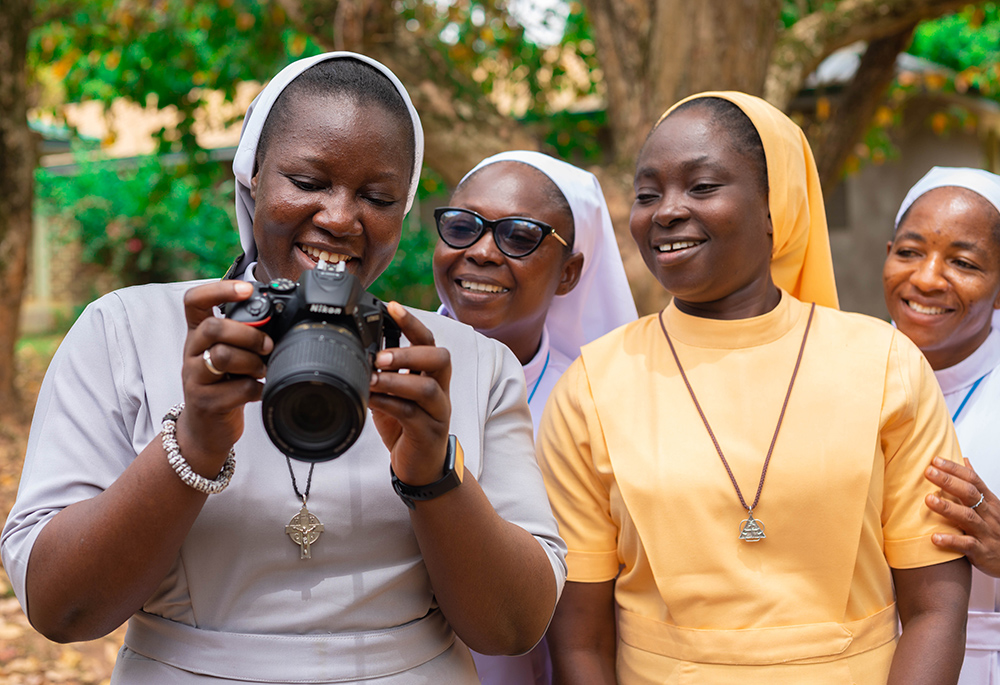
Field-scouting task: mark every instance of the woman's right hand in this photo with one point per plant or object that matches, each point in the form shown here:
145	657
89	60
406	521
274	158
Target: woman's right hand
212	420
976	510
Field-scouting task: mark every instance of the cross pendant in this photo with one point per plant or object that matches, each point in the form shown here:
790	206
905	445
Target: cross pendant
304	530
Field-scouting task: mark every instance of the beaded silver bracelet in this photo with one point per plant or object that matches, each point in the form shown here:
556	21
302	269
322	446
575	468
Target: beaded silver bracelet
180	465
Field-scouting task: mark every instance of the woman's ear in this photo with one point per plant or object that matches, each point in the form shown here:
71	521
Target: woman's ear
572	268
253	186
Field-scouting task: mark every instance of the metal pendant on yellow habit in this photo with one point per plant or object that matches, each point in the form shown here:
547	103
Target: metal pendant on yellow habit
751	529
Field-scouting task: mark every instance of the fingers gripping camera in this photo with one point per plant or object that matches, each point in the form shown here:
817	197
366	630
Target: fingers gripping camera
326	330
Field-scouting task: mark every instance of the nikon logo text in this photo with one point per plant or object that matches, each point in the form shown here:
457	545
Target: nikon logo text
325	309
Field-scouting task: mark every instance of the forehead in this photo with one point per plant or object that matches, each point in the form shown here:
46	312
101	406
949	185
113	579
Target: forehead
510	189
952	218
951	211
690	139
338	114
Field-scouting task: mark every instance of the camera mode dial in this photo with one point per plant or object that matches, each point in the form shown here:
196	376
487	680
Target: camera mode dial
282	285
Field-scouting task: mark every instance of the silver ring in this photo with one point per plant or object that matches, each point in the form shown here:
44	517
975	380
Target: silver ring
206	357
982	496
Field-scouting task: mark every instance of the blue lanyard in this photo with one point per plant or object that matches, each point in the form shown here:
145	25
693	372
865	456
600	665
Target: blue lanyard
538	382
967	396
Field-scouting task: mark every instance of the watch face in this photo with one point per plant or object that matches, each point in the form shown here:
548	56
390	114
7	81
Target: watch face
456	455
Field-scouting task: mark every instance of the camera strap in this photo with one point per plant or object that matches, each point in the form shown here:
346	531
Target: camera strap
304	528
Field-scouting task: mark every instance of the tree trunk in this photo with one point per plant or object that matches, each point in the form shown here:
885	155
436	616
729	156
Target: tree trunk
654	53
855	107
17	164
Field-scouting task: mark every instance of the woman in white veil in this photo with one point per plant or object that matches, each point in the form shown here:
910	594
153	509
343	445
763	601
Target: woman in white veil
942	287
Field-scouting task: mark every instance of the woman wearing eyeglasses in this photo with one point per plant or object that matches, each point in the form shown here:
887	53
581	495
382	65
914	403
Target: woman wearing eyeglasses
528	257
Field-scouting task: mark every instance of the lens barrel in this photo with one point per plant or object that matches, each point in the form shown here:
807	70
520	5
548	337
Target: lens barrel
316	395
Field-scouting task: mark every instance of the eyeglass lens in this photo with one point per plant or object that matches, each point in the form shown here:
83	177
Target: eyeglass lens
514	237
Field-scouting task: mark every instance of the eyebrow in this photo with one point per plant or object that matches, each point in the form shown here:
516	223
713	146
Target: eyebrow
960	244
317	161
971	247
699	162
910	235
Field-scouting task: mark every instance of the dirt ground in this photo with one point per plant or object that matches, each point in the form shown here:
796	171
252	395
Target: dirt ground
27	658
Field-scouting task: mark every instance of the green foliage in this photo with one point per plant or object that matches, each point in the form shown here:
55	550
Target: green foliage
157	222
409	279
169	52
577	137
43	345
966	46
967	42
149	222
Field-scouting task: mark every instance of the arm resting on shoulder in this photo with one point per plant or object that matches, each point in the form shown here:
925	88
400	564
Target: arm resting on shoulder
933	604
582	637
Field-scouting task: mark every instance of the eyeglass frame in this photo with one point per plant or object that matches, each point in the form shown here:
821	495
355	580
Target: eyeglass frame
491	225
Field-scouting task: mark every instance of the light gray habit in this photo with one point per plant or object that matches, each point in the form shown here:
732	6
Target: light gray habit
239	603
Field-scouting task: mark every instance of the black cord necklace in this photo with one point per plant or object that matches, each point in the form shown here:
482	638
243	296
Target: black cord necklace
304	528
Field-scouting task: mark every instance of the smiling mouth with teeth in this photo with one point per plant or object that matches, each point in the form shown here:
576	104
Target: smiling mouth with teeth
482	287
328	257
920	309
673	247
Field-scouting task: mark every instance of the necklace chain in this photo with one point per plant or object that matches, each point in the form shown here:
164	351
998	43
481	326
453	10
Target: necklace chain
540	376
295	485
966	400
781	417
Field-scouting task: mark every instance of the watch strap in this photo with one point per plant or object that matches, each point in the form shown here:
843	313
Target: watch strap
454	467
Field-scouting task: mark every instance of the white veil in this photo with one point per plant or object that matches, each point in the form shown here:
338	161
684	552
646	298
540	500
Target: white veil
253	124
602	300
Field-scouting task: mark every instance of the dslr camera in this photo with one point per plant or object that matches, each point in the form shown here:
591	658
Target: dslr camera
326	330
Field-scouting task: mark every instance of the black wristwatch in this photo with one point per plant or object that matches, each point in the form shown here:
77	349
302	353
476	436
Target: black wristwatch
454	468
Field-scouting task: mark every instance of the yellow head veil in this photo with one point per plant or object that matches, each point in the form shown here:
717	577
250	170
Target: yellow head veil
800	259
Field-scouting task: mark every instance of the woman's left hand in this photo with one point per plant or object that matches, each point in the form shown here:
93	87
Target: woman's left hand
411	408
981	523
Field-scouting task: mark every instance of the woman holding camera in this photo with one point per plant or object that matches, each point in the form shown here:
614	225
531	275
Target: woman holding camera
413	537
942	288
739	479
528	256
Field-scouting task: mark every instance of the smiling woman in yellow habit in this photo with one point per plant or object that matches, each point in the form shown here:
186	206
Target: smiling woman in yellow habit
739	478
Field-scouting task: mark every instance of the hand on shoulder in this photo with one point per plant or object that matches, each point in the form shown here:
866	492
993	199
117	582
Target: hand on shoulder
975	510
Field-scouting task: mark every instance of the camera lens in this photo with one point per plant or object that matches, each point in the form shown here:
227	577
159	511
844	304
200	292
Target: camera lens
316	395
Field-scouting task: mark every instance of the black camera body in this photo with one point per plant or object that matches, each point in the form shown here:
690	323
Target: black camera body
326	330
